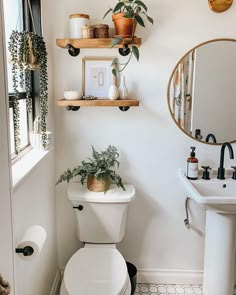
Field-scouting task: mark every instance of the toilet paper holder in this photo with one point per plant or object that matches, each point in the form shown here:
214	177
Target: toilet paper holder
26	251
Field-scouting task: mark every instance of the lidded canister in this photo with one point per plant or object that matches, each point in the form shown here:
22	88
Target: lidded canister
77	21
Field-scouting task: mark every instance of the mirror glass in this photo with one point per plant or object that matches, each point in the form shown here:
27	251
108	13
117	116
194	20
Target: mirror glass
202	92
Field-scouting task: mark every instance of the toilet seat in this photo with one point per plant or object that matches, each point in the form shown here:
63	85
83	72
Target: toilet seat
100	271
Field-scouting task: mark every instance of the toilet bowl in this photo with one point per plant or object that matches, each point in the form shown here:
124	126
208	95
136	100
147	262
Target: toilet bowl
100	271
98	268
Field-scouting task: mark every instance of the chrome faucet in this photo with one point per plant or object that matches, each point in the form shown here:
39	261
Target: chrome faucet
221	169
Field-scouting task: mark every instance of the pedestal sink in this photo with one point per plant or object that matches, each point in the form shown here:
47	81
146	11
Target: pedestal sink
218	198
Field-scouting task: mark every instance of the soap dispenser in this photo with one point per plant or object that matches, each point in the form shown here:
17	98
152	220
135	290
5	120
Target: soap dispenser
192	165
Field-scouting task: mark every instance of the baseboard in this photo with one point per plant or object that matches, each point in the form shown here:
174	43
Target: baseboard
168	276
56	284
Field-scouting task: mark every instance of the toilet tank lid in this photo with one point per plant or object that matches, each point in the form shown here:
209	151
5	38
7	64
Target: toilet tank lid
78	192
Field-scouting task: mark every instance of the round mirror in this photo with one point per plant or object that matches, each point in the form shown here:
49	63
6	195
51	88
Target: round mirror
202	92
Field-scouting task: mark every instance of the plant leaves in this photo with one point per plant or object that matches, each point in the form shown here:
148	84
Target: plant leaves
139	20
118	7
150	19
108	11
140	3
115	73
115	61
129	14
135	52
116	41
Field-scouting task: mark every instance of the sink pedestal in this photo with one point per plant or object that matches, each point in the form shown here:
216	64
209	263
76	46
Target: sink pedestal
219	258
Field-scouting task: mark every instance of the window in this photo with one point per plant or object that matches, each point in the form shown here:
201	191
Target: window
17	16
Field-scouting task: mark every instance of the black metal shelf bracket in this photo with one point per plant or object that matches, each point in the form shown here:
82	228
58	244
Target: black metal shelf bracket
72	50
124	109
76	108
72	108
124	51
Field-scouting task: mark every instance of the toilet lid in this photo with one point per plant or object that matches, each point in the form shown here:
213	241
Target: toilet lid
100	271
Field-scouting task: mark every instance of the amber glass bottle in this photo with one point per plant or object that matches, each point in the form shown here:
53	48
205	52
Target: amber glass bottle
192	165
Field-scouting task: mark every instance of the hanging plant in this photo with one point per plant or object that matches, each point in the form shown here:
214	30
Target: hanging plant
28	52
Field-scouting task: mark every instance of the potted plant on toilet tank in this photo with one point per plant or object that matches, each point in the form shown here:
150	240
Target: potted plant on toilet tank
98	171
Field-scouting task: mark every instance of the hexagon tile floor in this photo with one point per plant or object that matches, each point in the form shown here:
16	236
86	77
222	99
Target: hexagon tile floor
153	289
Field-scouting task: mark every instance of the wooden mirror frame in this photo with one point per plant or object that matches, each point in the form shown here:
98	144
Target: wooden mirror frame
220	5
169	85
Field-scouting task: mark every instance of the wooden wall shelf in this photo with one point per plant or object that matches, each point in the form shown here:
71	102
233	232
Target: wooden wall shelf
95	43
124	104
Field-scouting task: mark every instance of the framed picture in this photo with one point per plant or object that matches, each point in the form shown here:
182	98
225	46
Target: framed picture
97	76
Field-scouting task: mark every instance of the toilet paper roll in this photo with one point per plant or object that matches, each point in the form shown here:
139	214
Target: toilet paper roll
35	237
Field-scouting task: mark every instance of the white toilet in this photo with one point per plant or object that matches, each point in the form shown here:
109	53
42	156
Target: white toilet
98	268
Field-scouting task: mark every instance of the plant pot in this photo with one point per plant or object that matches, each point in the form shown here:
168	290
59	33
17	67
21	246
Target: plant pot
27	60
125	27
30	60
97	184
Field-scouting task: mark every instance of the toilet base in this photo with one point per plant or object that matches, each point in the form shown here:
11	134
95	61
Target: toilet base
63	289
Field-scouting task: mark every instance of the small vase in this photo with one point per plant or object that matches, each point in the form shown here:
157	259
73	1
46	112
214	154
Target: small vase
113	92
123	91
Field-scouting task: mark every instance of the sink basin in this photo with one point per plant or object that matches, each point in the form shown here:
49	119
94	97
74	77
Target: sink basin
218	198
217	194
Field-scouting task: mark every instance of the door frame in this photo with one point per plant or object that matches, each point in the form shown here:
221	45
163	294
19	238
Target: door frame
6	224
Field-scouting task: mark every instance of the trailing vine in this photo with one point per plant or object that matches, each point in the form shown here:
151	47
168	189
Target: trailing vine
28	52
135	10
14	39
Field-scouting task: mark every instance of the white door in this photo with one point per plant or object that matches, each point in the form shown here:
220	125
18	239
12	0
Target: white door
6	233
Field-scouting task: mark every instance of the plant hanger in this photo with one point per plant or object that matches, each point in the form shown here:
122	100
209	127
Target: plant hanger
31	15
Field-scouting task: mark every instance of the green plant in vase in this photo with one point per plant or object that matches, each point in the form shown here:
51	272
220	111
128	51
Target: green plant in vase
98	171
126	15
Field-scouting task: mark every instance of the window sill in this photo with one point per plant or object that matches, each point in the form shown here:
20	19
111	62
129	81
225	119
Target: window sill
22	168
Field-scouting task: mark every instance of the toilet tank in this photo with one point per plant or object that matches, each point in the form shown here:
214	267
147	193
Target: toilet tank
101	218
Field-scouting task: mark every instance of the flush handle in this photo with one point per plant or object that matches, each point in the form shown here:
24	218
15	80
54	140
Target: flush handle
80	207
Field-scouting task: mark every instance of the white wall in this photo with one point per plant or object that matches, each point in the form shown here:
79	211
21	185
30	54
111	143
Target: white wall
6	230
151	147
34	204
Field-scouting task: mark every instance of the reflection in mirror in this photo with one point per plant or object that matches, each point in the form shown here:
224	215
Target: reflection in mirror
202	92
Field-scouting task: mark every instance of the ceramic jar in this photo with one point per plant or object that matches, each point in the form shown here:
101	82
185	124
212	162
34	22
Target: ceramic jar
77	21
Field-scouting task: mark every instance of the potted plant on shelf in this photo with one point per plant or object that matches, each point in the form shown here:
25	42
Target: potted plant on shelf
126	15
28	52
98	171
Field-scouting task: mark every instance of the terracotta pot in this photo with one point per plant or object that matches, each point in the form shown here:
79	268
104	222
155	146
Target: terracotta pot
97	185
125	27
